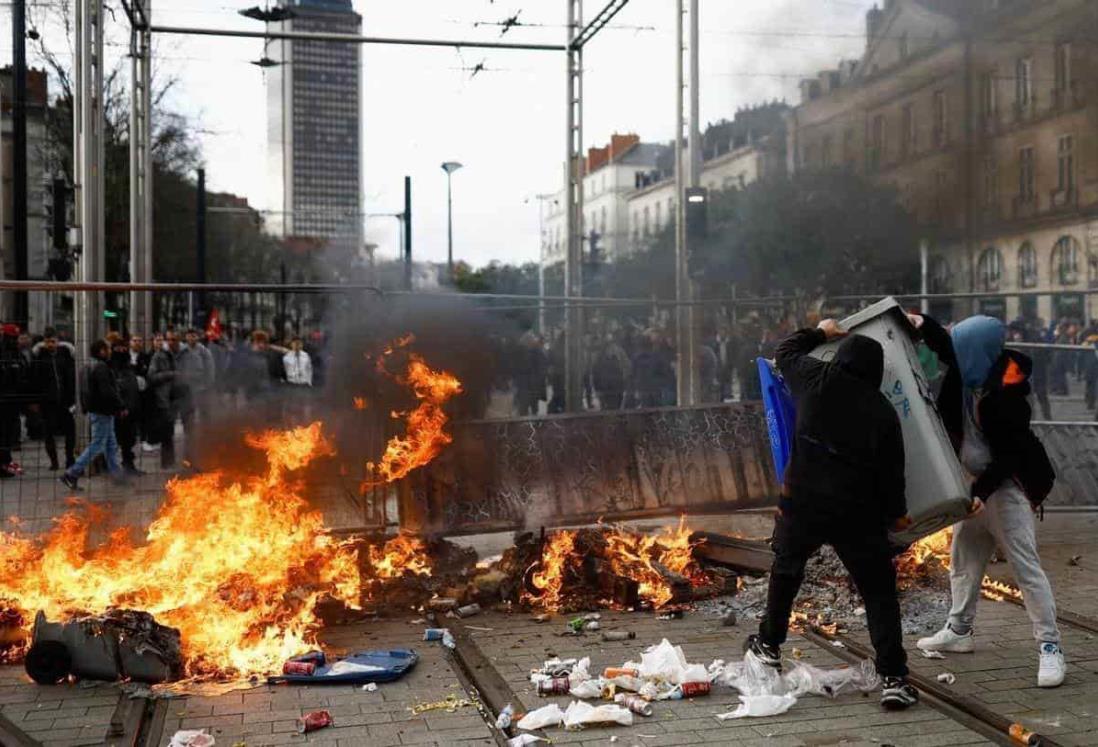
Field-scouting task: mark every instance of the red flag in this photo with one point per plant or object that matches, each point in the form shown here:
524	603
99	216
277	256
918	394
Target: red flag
213	326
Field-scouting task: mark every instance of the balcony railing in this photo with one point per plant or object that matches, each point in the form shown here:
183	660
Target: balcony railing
1063	199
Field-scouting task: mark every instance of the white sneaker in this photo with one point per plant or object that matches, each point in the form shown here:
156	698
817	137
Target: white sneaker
1052	669
946	640
147	447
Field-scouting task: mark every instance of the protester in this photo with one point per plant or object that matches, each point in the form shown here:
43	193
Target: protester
129	389
14	383
611	372
167	390
101	401
298	365
653	373
844	487
55	374
984	406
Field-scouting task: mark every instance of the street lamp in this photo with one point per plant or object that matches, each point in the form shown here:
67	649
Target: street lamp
450	167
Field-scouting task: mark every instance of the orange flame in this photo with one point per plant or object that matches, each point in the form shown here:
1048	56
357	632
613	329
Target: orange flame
359	403
425	435
236	565
935	550
399	555
558	553
634	556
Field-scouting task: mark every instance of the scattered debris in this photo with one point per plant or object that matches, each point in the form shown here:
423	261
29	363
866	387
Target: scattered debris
450	705
313	721
370	687
191	738
730	619
1074	559
540	718
838	644
618	635
932	654
468	610
947	678
503	721
580	714
760	705
524	739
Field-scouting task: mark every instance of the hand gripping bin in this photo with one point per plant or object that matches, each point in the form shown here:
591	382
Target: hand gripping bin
937	490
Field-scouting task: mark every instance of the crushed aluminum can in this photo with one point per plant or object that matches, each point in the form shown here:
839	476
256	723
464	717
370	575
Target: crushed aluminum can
591	625
468	610
313	721
618	635
434	634
307	668
693	689
555	686
634	703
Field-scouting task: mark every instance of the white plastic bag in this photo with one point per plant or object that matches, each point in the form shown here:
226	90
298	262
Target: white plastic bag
760	705
191	738
524	739
667	662
348	667
752	677
550	715
580	714
803	679
587	689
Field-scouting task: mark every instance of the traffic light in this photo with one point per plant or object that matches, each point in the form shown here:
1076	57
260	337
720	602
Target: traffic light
697	212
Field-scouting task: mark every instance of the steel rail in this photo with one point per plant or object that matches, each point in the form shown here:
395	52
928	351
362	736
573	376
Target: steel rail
353	38
1010	732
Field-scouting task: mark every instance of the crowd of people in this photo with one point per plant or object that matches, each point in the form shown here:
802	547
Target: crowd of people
135	390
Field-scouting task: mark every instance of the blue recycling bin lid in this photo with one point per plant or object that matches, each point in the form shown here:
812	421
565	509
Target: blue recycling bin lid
366	666
781	414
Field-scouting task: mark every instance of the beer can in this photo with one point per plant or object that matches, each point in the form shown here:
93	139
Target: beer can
618	635
555	686
307	668
634	703
693	689
313	721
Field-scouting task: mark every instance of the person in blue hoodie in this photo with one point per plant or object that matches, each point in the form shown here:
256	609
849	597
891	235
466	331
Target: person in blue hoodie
985	407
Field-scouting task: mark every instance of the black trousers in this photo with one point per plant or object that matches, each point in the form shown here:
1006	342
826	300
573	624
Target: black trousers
867	557
58	421
125	431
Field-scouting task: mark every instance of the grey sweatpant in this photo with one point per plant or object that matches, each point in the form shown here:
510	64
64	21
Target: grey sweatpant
1007	520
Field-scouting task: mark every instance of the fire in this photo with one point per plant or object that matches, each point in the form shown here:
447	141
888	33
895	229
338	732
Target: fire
646	559
237	564
559	552
401	554
359	403
934	551
635	556
425	435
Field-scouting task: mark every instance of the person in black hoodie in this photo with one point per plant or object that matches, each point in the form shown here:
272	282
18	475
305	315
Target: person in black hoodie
984	405
100	399
844	486
55	371
125	426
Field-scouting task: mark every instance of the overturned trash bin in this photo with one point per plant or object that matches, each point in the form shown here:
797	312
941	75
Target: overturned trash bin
119	644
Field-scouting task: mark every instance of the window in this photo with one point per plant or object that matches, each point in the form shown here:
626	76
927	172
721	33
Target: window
1026	176
989	269
988	103
1065	154
941	134
908	141
1023	82
1065	261
1062	56
1027	266
991	183
875	152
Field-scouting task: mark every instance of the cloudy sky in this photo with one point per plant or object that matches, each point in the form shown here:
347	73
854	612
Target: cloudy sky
421	106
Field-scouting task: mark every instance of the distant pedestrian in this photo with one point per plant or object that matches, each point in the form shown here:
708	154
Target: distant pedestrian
167	389
129	389
54	372
101	401
298	365
14	383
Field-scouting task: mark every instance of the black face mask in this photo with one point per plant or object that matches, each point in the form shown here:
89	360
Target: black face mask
119	358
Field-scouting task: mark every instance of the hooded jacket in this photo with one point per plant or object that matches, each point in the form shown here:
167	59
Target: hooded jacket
996	382
848	450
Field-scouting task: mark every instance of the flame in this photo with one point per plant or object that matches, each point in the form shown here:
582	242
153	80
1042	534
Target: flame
633	555
425	435
401	554
359	403
933	552
559	552
237	565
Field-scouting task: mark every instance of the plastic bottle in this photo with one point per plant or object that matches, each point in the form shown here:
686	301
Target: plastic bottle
503	721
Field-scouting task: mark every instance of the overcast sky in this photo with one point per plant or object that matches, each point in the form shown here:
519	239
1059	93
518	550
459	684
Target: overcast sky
506	125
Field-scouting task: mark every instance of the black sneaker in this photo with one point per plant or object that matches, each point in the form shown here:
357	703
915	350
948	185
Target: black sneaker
769	655
897	694
69	481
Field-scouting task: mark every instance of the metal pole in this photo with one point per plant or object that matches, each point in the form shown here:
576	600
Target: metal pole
88	163
140	318
573	213
19	156
682	276
449	228
200	244
407	224
924	277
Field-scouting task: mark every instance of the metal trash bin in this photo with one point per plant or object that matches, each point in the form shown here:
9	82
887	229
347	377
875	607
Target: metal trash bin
937	489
